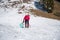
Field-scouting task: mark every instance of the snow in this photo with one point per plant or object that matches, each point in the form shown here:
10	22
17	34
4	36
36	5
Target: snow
40	28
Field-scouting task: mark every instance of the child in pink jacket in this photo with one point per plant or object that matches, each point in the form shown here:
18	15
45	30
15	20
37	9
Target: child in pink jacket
26	20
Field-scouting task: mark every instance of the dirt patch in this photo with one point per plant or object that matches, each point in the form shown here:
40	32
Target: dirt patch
53	15
57	14
44	14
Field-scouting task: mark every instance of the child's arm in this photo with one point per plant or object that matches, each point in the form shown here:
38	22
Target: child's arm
23	20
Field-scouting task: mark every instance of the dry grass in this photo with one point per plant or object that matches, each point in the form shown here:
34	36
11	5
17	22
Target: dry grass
53	15
44	14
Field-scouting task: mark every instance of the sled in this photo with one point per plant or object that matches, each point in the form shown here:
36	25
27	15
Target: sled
21	25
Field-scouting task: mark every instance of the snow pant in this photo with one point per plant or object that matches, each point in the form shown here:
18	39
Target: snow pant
26	23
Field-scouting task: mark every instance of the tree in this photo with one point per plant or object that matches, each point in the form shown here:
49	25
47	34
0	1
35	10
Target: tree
49	5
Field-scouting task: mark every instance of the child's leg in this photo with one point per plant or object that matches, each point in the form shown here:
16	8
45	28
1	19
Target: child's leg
27	24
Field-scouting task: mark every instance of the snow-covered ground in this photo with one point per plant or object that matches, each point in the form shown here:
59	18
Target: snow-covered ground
40	28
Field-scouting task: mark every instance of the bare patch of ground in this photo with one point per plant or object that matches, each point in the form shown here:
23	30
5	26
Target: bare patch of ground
54	15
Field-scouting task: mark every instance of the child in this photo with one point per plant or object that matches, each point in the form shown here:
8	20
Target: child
26	20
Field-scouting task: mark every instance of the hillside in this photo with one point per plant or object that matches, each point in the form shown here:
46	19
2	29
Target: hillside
49	15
